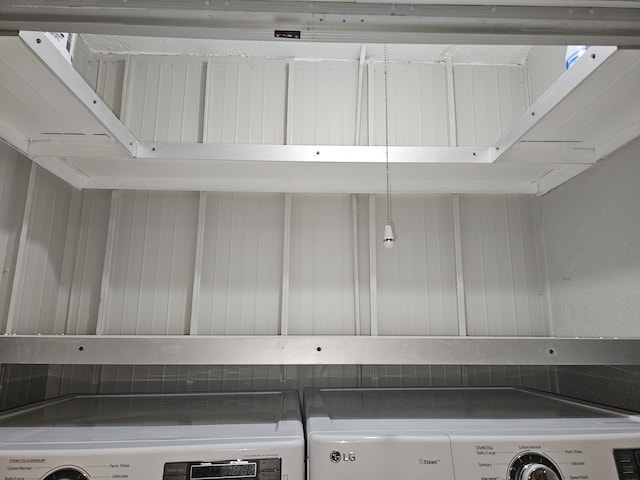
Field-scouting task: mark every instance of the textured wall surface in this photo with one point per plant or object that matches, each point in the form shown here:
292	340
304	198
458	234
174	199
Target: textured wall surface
592	241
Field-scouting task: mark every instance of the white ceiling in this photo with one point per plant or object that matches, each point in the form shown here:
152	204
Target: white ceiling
475	54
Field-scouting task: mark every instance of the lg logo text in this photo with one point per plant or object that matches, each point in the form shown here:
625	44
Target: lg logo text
337	456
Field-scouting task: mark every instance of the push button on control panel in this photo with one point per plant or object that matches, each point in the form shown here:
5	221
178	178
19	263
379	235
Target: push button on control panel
628	464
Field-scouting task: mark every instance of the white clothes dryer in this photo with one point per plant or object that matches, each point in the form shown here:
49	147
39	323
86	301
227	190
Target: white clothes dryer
226	436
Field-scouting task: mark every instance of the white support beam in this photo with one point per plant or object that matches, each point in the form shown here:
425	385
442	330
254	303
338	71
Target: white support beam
476	22
313	153
315	350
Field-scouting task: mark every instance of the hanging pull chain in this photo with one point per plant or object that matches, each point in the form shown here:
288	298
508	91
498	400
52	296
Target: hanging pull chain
389	237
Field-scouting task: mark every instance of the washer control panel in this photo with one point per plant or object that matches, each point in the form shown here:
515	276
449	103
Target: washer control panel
627	463
563	457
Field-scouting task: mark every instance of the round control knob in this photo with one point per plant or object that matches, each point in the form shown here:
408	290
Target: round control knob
537	472
533	466
67	474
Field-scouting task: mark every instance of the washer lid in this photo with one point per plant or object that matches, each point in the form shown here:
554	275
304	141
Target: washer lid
445	403
158	410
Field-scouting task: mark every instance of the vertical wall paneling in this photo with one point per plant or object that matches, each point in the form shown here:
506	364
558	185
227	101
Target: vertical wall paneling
286	266
373	265
451	104
241	265
89	255
321	295
489	99
150	286
110	83
164	99
363	273
105	288
457	235
22	384
361	67
503	289
408	376
246	101
538	377
14	184
370	103
289	112
18	279
126	83
417	104
543	266
34	298
197	272
417	277
324	102
356	266
68	264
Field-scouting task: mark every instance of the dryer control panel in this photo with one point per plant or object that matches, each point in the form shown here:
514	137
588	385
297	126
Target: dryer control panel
258	469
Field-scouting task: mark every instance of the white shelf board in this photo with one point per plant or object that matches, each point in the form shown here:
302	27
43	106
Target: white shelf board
315	350
588	113
56	119
47	107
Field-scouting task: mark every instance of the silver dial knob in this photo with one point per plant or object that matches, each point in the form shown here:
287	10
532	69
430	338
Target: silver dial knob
537	471
533	466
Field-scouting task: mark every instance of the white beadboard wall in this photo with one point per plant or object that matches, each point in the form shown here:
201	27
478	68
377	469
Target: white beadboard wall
84	299
150	264
321	293
323	103
276	101
14	182
501	258
591	234
110	74
164	98
136	262
241	267
104	74
416	280
417	104
246	101
38	281
489	99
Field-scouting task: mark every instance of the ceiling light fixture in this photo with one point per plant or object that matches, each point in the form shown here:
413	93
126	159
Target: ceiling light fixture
389	234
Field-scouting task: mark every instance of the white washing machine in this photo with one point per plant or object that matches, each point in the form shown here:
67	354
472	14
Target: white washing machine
465	434
249	436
